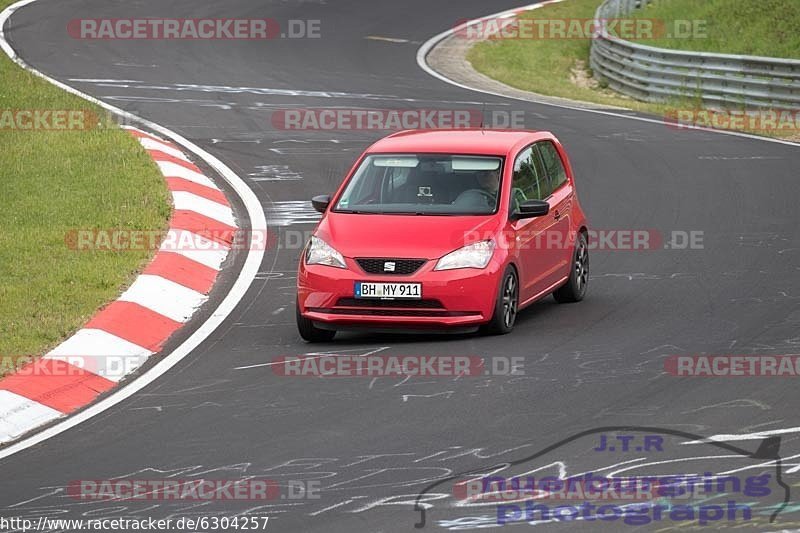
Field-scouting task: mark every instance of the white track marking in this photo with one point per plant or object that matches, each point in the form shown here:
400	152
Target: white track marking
19	414
150	144
174	170
318	355
163	296
204	206
758	466
428	45
260	365
389	39
101	353
82	80
616	473
228	89
195	247
292	212
149	134
245	278
759	435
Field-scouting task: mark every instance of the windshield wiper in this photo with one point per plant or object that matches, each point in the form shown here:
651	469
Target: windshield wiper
415	213
434	214
405	213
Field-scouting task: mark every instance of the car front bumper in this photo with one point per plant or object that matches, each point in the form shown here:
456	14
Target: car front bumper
450	298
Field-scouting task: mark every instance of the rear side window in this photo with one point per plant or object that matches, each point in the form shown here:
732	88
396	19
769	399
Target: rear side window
553	164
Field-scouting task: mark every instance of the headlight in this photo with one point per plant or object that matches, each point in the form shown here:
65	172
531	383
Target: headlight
320	252
471	256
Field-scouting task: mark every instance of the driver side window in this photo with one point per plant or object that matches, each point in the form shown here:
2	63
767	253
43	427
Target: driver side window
529	181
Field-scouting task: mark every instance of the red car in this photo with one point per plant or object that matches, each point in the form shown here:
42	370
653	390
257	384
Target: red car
444	229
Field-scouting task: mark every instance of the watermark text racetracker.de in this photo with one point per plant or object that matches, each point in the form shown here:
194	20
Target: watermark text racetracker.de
255	489
154	28
758	120
205	239
715	366
59	119
512	28
48	119
358	119
399	366
70	365
598	239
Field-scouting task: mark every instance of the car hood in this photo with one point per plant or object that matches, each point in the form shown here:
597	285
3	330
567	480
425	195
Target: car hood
418	236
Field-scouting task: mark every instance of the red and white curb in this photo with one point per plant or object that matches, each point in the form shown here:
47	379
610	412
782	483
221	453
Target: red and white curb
122	335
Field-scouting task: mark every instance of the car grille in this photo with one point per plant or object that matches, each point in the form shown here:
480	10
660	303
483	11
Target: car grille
392	312
402	267
355	306
405	304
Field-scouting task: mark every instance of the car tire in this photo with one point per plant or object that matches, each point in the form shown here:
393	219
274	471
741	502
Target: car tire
575	288
309	332
506	306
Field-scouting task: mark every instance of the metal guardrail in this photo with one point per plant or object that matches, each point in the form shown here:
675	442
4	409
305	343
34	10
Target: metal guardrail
659	75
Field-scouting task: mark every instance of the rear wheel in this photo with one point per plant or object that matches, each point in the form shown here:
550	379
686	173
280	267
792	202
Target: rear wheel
309	331
505	309
575	288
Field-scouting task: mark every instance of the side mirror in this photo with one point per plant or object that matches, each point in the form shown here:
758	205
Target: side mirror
321	202
530	209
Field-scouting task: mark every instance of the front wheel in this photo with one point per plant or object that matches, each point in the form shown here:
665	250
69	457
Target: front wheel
309	331
575	288
506	306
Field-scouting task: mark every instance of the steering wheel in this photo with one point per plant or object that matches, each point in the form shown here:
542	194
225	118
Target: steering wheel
475	198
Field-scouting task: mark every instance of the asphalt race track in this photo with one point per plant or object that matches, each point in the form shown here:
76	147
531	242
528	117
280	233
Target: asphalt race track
373	444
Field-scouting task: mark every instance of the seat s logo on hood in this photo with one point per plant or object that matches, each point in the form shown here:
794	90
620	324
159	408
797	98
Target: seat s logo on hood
388	266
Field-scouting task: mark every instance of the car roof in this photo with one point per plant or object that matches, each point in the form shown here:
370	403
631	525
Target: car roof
457	141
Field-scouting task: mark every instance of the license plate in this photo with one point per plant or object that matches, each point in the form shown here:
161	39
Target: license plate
388	290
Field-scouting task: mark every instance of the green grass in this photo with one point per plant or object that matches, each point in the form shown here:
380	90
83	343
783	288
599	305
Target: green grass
54	182
751	27
544	65
549	66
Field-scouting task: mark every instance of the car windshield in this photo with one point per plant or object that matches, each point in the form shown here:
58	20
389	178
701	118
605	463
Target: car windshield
423	184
